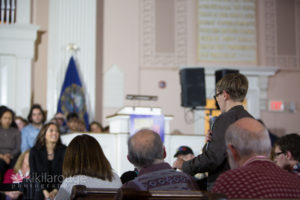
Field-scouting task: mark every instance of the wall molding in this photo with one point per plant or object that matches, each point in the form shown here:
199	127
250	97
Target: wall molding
149	57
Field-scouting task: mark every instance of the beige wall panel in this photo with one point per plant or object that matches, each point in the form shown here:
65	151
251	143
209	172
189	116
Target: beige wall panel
284	86
39	77
121	47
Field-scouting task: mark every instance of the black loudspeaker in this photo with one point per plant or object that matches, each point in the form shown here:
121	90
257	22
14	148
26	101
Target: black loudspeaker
192	87
219	74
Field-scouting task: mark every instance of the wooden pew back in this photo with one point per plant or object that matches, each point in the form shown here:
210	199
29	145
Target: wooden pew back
131	194
81	192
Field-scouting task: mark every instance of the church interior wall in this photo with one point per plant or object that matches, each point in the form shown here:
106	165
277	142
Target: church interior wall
143	65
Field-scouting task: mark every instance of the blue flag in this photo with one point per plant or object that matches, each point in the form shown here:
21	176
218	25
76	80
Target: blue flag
72	97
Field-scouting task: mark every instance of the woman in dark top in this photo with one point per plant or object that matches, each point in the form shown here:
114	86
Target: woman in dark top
46	160
10	141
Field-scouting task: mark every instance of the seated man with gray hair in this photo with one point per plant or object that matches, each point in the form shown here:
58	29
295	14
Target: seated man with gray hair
253	174
146	152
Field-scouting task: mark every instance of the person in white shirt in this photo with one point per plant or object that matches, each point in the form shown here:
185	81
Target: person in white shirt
86	164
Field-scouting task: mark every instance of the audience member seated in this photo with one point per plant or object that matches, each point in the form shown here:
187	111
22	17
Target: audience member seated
21	122
129	175
105	129
17	174
81	126
61	121
72	122
86	164
146	152
4	108
36	118
46	160
96	127
287	153
10	141
253	175
186	153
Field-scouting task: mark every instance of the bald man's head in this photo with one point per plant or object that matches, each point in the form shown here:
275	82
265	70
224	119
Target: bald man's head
144	148
250	124
248	137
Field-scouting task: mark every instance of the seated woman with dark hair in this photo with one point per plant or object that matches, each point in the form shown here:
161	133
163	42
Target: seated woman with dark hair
86	164
46	160
10	141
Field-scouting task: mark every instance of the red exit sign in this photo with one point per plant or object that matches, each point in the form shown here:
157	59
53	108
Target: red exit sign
276	105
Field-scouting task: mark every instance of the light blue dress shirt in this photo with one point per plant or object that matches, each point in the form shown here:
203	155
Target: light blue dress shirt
29	134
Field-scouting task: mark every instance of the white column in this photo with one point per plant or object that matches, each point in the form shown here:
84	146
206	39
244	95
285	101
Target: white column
7	66
71	21
16	53
23	11
23	86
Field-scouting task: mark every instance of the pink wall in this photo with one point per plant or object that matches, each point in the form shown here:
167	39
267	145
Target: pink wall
39	72
284	86
133	39
279	35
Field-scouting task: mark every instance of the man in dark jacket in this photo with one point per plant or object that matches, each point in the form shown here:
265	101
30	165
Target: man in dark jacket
231	92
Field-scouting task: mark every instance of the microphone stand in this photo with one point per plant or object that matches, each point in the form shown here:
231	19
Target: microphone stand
211	120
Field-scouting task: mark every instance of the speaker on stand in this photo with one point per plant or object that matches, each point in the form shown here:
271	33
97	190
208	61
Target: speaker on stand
192	87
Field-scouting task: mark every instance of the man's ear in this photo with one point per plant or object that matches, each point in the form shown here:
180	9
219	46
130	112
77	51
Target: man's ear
234	152
165	153
226	95
289	155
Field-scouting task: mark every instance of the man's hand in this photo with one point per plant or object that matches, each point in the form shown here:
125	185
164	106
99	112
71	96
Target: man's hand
13	194
46	194
178	163
208	136
53	193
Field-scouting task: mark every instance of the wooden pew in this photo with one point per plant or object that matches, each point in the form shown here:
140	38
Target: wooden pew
131	194
80	192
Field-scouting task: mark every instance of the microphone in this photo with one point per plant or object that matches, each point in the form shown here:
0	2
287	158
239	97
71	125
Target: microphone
211	125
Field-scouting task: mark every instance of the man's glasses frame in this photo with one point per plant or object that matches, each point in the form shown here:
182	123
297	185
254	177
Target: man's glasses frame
216	95
278	153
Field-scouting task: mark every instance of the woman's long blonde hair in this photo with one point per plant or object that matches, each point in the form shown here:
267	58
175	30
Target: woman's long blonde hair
20	161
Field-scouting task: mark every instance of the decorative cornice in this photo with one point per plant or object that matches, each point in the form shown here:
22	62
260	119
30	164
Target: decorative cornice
149	57
18	39
248	71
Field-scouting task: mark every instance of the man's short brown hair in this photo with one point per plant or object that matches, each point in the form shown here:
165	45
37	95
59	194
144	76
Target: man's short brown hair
235	84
